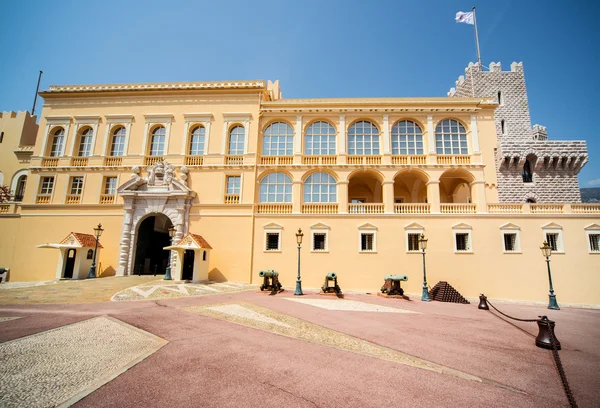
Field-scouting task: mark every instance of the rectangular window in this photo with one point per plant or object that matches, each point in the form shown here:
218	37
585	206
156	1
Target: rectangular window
552	239
594	242
47	185
462	242
272	243
319	241
510	242
85	146
233	184
367	241
76	185
110	185
413	241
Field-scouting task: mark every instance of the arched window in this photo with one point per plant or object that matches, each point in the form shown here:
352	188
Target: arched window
527	175
320	188
451	138
157	144
500	98
20	190
363	139
85	142
197	141
90	254
204	255
58	140
503	127
236	140
1	136
276	188
278	140
319	139
530	201
117	144
407	138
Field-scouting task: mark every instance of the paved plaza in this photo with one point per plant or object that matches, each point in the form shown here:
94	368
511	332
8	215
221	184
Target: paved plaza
160	343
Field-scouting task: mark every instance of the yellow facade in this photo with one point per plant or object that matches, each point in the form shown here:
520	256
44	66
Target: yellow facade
384	189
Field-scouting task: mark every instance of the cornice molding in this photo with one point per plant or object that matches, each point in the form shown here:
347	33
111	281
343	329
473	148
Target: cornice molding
253	84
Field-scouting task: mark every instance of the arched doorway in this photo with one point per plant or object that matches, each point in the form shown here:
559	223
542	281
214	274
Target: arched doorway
70	264
187	272
151	237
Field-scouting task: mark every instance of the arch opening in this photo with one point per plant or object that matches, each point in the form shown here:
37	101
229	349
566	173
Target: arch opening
365	187
455	186
410	187
151	237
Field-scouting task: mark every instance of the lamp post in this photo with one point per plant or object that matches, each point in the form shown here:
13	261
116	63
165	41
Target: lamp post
97	233
547	252
299	236
172	232
423	247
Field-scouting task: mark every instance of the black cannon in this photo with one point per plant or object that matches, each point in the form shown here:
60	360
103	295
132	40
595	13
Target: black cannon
270	280
331	277
3	274
391	286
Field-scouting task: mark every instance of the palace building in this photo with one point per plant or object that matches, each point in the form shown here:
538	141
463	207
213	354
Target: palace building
236	169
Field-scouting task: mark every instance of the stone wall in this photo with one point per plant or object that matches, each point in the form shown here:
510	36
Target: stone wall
556	163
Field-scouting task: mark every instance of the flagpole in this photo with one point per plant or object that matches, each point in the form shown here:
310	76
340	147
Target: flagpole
477	39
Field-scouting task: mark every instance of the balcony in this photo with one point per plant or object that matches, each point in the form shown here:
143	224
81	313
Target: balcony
458	208
113	161
418	208
320	208
43	198
547	208
236	160
276	160
275	208
415	160
194	160
364	160
319	160
73	199
585	208
454	160
232	198
50	162
150	160
107	198
79	161
508	208
366	208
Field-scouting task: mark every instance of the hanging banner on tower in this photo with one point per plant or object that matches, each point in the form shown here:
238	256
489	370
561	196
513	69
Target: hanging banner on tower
462	17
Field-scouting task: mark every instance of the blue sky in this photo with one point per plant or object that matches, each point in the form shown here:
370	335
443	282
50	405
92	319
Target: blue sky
325	48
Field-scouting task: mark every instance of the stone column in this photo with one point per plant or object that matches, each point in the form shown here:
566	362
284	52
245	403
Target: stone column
342	196
388	196
433	195
296	196
125	244
478	187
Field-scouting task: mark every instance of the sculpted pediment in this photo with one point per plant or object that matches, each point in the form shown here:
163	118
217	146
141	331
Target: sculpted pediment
160	180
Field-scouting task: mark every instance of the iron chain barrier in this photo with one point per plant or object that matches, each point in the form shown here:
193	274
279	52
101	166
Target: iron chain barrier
545	339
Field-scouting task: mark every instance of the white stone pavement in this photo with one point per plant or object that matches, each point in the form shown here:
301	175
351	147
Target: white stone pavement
63	365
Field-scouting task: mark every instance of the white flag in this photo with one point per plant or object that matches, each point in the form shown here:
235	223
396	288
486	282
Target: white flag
462	17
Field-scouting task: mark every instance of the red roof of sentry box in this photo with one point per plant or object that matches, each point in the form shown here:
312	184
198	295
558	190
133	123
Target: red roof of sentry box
199	240
85	240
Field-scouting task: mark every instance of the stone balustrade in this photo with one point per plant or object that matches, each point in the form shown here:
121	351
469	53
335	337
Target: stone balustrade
416	208
320	208
366	208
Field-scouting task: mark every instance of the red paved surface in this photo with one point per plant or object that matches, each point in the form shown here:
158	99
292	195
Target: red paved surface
213	363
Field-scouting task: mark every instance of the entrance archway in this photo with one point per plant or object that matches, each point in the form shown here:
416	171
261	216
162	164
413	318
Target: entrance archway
151	237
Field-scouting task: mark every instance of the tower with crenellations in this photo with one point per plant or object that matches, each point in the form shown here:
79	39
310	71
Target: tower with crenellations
530	167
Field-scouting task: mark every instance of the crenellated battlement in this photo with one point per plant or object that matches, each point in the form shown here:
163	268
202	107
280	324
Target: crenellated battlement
557	163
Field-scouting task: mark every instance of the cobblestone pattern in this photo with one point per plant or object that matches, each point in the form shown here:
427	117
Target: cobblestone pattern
6	319
553	185
349	306
47	369
162	289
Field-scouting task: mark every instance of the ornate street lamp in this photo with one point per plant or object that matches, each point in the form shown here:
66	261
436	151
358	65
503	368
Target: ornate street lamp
97	233
172	232
299	236
547	252
423	247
